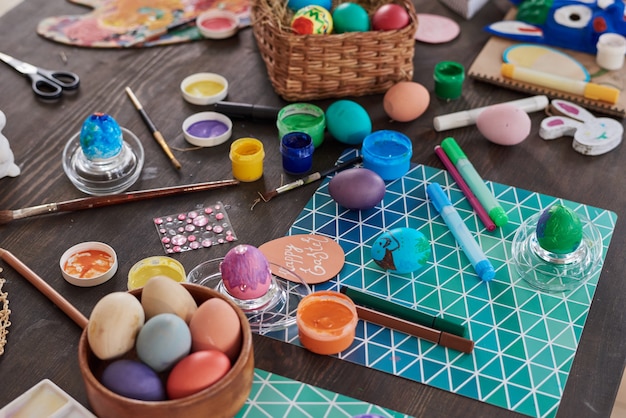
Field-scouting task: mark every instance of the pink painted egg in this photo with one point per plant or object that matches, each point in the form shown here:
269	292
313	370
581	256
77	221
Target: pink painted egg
246	272
504	124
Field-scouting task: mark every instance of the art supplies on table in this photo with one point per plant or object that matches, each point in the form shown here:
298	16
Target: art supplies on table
525	340
124	24
564	63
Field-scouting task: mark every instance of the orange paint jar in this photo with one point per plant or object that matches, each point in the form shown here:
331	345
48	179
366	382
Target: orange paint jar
326	322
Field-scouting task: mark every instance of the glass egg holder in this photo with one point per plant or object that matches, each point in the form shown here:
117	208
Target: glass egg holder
552	272
273	311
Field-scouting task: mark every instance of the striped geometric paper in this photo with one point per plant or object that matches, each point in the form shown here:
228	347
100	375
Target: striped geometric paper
525	340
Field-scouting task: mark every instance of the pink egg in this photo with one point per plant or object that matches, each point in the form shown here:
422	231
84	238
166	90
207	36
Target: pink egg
406	101
196	372
504	124
390	17
216	326
246	272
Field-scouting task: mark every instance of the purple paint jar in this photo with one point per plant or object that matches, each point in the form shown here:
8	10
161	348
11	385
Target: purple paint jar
207	129
297	151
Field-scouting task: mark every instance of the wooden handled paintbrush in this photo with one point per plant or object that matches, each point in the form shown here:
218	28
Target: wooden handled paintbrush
7	216
267	196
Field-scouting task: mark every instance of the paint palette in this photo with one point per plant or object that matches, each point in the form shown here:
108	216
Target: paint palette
137	23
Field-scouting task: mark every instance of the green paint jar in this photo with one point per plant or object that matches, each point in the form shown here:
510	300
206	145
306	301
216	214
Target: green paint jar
302	117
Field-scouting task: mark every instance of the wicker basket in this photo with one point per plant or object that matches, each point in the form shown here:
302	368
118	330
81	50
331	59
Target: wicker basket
310	67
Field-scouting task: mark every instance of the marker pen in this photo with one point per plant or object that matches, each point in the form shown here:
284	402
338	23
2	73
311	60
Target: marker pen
463	236
474	181
245	110
468	117
585	89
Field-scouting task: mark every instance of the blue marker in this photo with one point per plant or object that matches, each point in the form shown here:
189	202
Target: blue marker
468	244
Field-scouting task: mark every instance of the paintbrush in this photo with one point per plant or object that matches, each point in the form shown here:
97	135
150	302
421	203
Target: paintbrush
7	216
267	196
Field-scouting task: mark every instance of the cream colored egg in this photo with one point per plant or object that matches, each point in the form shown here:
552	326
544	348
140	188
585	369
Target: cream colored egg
113	325
406	101
164	295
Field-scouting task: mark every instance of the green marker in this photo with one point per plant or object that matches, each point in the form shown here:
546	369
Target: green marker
474	181
404	312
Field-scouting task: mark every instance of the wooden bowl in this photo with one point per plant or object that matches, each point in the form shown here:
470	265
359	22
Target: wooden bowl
223	399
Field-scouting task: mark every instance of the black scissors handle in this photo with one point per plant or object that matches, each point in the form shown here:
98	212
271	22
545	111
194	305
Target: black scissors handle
50	84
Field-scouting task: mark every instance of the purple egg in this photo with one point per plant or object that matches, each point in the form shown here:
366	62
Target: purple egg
357	188
134	380
246	272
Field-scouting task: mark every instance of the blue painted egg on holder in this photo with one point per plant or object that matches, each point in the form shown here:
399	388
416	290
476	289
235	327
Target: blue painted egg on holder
401	250
101	137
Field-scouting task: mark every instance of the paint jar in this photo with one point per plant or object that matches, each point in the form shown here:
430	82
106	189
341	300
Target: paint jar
326	322
302	117
150	267
204	88
611	49
297	151
449	77
246	155
207	129
387	153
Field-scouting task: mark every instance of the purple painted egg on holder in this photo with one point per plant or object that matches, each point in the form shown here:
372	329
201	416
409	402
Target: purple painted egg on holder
246	273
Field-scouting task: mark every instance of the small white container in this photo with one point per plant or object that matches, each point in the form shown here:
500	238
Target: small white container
611	50
88	279
217	24
204	88
207	129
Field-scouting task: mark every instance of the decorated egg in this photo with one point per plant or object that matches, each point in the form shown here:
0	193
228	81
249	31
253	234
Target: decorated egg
312	20
134	380
196	372
559	230
296	5
357	188
348	122
114	324
164	295
246	272
163	341
216	326
390	17
402	250
504	124
100	137
406	101
350	17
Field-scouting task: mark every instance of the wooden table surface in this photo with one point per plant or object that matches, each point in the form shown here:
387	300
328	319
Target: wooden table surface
42	341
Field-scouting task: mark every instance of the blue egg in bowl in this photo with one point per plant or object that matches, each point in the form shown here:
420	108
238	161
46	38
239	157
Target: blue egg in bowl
401	250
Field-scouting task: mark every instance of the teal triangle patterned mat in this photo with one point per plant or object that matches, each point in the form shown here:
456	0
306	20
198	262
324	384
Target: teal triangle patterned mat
273	396
525	340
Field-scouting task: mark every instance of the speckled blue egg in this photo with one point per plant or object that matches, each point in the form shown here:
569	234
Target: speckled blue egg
101	137
357	188
246	272
559	230
134	380
299	4
401	250
348	122
163	341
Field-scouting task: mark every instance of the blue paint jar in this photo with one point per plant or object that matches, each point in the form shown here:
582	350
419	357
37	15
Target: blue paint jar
387	153
297	151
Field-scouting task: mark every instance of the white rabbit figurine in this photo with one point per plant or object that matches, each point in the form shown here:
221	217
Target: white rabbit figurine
592	136
7	164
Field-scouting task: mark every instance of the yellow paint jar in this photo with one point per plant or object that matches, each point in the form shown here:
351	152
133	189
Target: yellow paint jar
246	155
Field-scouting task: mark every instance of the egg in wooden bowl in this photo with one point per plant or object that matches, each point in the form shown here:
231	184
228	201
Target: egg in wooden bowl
223	398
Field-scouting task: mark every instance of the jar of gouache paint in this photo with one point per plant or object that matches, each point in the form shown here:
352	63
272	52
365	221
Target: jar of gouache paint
297	151
246	155
387	153
302	117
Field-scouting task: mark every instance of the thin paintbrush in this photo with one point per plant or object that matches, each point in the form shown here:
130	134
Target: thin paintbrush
7	216
155	132
267	196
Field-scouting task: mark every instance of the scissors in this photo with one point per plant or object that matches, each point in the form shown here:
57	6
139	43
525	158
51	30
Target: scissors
46	84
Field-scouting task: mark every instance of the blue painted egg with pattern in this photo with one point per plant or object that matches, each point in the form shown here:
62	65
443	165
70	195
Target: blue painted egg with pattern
401	250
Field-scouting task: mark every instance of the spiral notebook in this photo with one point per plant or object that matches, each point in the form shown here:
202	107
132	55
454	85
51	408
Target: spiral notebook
486	67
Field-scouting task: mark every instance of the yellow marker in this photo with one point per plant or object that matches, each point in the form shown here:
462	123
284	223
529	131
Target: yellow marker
586	89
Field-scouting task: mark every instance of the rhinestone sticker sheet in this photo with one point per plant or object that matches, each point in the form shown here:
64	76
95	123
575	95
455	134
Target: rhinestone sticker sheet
525	340
201	227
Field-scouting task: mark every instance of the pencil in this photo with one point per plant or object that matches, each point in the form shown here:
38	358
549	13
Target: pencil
471	197
155	132
403	312
442	338
41	285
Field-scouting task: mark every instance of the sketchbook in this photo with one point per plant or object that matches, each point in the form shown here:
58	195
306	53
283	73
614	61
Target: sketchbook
486	67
